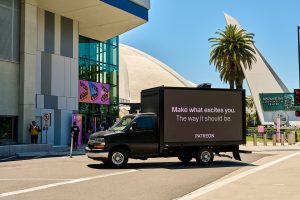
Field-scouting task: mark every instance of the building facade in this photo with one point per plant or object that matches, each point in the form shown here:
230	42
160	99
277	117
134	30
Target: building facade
41	62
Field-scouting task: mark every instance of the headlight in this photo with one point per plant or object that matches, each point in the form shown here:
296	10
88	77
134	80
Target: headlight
99	143
100	140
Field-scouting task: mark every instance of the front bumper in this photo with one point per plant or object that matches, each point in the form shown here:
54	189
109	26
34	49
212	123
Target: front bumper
96	154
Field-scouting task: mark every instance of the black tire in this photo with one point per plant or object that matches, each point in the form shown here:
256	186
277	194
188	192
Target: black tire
118	158
205	156
105	162
185	157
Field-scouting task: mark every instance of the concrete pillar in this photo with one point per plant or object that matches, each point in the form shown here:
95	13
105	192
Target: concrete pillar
28	48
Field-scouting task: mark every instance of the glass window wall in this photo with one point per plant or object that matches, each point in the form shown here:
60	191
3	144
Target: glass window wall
98	62
8	130
9	30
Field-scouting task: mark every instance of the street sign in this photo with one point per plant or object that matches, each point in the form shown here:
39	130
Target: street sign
297	97
46	116
47	119
282	116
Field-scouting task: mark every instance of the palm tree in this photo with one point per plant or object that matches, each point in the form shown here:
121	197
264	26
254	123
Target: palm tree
250	103
230	51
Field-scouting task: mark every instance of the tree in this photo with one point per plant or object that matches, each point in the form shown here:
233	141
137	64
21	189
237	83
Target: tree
232	49
250	104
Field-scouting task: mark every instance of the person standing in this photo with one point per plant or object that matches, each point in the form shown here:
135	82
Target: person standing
75	132
34	130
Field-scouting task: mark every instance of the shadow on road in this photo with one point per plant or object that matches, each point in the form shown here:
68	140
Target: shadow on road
174	165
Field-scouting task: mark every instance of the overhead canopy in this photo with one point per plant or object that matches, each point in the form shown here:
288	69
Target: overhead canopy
97	19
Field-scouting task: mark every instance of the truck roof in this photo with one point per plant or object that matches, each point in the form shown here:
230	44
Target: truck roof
139	114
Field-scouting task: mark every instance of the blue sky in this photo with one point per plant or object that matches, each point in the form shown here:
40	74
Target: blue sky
177	34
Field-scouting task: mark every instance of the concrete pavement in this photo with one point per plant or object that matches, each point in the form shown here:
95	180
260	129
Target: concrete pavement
273	177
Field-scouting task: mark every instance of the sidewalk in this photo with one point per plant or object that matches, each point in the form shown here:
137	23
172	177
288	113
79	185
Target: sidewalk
273	177
54	152
269	148
38	150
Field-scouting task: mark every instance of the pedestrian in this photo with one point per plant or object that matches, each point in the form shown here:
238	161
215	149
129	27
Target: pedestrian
89	132
104	125
34	130
75	132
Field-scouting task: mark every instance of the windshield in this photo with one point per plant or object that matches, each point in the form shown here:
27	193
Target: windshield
122	124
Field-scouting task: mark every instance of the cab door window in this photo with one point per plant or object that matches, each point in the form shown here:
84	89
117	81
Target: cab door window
144	124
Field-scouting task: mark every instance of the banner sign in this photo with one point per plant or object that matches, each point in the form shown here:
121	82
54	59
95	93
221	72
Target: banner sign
277	101
261	129
92	92
78	119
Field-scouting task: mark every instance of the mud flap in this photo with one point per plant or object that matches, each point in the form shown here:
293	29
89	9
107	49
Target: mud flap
236	153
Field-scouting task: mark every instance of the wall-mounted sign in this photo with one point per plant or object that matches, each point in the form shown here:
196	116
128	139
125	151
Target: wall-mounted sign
47	119
92	92
277	101
282	116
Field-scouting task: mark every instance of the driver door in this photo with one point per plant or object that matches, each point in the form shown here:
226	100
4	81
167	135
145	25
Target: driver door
144	137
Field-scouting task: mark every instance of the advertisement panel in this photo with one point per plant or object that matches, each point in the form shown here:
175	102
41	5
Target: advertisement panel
203	115
78	119
277	101
92	92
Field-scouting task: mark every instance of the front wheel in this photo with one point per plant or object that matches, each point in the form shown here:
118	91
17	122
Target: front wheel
205	156
118	158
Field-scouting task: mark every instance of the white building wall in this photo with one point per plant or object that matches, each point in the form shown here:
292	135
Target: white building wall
57	38
58	75
61	80
40	29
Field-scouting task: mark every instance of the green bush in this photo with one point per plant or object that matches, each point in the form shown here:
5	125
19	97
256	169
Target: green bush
271	131
298	135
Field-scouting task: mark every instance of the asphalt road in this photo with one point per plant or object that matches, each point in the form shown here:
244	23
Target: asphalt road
64	178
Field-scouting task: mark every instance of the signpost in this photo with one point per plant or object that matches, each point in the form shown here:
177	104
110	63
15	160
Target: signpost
278	129
46	123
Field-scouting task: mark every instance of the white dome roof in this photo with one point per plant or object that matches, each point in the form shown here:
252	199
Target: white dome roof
139	71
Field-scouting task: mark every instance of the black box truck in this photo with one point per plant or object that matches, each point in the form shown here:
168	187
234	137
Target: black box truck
175	122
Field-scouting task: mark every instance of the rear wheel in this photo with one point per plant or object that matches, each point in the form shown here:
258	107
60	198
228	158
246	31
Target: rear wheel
118	158
205	156
185	157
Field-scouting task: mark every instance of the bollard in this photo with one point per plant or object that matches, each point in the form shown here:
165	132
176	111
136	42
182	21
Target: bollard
290	138
265	139
282	139
293	138
254	139
71	149
274	139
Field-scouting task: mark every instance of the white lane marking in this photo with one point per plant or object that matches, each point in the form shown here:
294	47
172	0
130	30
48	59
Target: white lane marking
216	185
63	183
35	179
7	158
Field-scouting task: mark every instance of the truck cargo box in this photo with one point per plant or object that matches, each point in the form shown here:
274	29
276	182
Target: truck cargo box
197	116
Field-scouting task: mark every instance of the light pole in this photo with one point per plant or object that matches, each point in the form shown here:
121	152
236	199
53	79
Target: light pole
298	28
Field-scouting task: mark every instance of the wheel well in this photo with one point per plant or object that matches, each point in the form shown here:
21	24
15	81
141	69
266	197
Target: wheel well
122	147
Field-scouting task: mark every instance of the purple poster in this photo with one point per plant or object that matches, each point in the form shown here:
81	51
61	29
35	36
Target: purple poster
92	92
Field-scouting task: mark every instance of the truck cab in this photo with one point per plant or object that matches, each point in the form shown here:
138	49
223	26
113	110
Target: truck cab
134	136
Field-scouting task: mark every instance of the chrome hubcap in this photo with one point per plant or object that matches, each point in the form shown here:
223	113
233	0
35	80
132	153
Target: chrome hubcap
205	156
117	158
